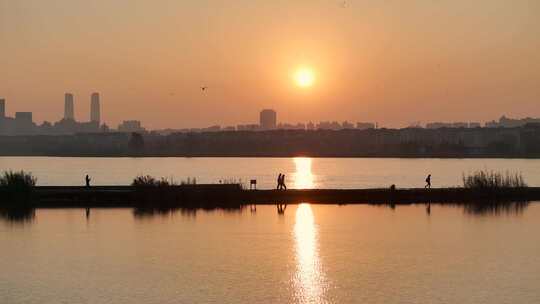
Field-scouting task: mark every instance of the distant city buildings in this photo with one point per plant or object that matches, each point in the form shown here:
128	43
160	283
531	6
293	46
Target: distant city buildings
505	122
129	126
68	125
365	125
2	108
456	125
329	125
23	117
347	125
286	126
248	127
95	113
22	123
69	107
268	119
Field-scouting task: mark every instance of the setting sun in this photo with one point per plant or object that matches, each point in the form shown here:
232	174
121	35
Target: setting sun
304	77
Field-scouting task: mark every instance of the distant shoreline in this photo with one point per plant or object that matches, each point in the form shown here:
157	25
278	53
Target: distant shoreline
276	156
521	142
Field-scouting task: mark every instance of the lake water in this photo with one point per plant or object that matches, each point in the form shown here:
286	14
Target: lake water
309	254
300	172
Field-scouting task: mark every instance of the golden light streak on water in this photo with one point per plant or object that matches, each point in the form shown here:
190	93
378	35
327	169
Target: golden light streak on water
303	177
309	279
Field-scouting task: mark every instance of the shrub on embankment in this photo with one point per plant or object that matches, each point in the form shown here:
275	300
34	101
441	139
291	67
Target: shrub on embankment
493	180
150	181
16	187
153	192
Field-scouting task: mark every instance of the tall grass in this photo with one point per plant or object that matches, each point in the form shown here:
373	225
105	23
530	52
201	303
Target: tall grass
493	180
150	181
16	187
17	181
233	181
189	181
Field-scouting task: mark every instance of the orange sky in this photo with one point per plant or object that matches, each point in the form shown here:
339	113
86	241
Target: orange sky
393	62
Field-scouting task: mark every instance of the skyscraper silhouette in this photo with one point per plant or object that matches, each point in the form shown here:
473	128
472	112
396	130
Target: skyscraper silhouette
268	119
95	115
2	108
69	107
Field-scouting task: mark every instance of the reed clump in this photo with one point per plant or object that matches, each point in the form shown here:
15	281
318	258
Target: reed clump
150	181
233	181
493	180
17	186
18	180
189	181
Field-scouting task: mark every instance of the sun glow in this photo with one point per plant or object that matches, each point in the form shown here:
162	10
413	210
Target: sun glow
304	77
303	177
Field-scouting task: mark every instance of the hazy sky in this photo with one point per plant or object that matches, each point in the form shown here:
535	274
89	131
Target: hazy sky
389	61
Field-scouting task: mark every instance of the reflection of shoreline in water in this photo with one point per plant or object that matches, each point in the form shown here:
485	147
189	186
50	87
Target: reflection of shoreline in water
183	211
309	279
485	208
17	215
496	208
27	215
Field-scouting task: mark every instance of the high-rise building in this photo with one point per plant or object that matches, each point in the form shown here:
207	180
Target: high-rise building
268	119
95	115
23	123
2	108
24	117
69	107
130	126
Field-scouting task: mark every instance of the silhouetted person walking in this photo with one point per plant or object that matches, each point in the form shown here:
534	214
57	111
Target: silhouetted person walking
278	182
87	179
428	181
283	186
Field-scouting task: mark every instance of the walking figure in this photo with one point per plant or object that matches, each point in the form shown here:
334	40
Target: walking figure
428	181
87	179
279	182
282	185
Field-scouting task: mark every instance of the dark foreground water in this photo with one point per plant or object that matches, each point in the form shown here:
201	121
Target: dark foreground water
309	254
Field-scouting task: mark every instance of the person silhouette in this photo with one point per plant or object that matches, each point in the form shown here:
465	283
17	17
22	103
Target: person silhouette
283	186
279	182
87	179
428	181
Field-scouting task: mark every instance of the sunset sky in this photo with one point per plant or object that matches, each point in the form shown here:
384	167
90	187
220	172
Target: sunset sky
387	61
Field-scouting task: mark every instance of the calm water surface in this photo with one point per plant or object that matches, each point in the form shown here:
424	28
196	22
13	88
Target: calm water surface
300	172
310	254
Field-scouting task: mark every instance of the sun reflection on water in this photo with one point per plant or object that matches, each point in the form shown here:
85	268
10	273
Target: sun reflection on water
303	178
309	279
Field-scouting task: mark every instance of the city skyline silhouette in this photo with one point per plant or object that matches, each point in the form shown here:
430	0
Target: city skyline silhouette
392	63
